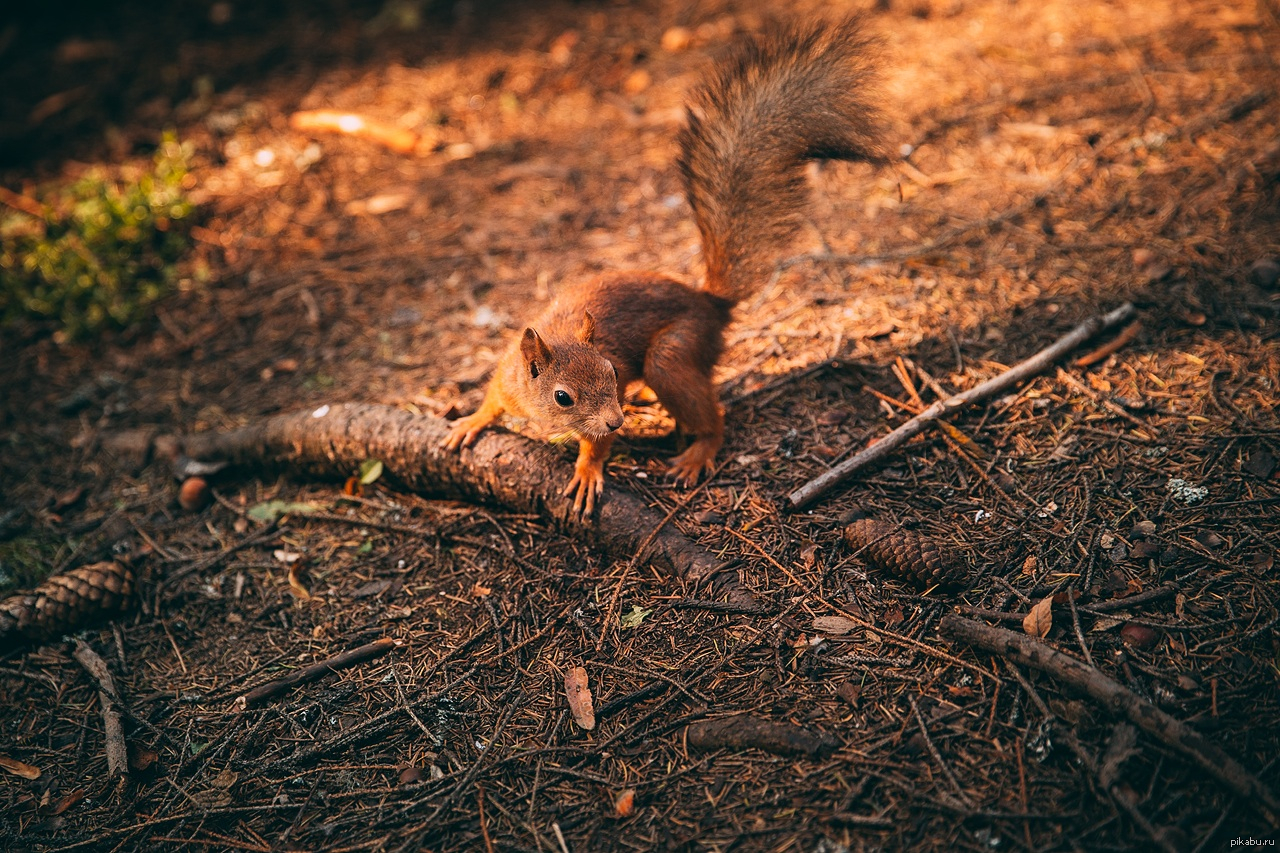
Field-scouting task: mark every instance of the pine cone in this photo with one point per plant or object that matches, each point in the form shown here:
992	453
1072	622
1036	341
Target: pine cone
910	557
66	602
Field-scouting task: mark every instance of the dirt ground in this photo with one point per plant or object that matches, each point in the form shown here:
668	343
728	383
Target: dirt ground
1060	158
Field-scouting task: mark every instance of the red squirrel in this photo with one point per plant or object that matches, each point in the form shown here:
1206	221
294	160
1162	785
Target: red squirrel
776	102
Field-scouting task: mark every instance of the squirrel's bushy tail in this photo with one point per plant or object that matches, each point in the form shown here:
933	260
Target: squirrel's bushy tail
776	102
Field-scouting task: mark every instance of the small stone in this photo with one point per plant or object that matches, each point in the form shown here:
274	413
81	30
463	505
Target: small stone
410	774
167	447
1143	257
130	448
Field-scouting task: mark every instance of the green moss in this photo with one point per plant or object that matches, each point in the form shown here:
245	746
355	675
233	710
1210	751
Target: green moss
103	252
27	560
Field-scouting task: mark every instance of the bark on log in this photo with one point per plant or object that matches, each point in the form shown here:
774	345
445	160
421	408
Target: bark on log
1119	699
500	468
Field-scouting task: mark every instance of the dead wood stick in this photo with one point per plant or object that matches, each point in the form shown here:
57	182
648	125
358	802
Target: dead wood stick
320	669
500	468
22	203
117	751
1127	334
743	731
824	483
1120	699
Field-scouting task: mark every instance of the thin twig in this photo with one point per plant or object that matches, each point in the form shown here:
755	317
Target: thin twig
317	670
937	756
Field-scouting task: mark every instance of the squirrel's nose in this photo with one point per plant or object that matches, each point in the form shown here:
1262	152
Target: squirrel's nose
613	426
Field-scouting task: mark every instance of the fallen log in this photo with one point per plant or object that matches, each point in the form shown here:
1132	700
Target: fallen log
500	468
1114	696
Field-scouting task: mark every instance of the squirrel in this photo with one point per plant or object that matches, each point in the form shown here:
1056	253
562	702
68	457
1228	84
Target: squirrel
773	104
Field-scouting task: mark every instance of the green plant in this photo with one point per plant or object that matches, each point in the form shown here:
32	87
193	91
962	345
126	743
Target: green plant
102	250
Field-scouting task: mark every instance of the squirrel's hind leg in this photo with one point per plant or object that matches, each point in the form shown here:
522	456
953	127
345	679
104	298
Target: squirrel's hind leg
671	370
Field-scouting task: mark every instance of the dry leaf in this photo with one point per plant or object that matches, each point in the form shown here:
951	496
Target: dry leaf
625	803
377	205
295	584
834	625
17	768
1038	622
225	779
398	139
66	802
849	692
809	554
579	695
141	758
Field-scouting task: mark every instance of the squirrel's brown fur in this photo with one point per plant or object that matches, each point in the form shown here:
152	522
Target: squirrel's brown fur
775	103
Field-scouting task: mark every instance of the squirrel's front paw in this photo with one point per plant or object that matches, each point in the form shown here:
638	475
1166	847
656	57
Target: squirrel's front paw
586	486
465	431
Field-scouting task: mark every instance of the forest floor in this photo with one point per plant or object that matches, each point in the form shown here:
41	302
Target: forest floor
1064	157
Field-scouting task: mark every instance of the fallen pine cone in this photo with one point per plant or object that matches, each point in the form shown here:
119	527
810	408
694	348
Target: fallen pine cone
66	602
906	555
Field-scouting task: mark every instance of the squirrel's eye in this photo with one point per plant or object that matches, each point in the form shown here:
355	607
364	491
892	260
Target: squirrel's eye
563	399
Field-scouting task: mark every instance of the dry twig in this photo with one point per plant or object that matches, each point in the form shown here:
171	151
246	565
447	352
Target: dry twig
317	670
108	697
817	487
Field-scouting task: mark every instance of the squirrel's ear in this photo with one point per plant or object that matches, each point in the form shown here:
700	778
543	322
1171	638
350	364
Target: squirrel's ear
587	331
537	355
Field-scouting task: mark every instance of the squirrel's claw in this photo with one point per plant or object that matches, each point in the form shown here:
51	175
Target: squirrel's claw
687	468
586	486
465	431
